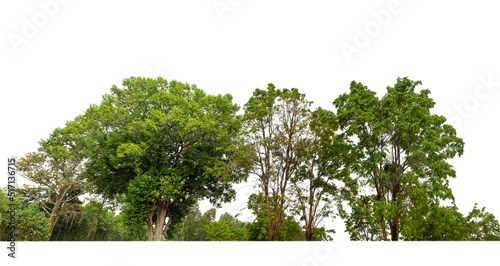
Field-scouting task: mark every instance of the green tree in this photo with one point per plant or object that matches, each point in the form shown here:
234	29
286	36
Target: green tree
401	147
482	225
138	232
164	145
100	221
30	220
57	169
442	223
228	228
360	222
193	227
219	231
275	122
258	230
32	225
4	214
69	225
324	160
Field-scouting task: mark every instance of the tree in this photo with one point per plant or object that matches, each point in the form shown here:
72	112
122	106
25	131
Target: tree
101	205
100	221
219	231
482	225
193	227
4	214
228	228
258	230
324	160
137	232
275	121
31	223
57	169
360	223
442	223
164	145
401	148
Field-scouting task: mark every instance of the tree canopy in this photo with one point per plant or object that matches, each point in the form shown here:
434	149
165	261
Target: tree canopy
163	145
135	166
402	149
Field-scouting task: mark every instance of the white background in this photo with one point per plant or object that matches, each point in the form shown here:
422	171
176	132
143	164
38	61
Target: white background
57	59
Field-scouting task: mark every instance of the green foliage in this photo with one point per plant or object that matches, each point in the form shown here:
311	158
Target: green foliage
228	228
400	146
164	145
323	167
158	147
439	223
4	214
30	220
75	224
275	124
193	227
483	225
258	230
448	224
361	224
32	225
219	231
321	234
57	170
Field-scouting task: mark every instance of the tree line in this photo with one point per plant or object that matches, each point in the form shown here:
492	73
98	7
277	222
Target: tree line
146	155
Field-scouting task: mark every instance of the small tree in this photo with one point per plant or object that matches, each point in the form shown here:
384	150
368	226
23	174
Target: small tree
482	225
228	228
57	169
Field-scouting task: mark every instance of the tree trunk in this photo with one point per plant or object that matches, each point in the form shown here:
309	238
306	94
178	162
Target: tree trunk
378	198
274	230
395	229
309	233
382	224
309	224
53	216
155	233
150	227
93	221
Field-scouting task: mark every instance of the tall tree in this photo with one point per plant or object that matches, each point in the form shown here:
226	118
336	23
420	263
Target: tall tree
275	122
57	170
401	147
163	145
317	185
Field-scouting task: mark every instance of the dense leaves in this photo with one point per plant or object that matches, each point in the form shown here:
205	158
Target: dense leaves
164	145
402	150
57	170
135	166
275	123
